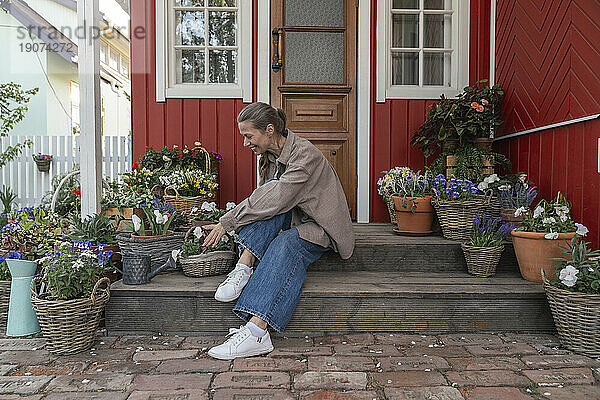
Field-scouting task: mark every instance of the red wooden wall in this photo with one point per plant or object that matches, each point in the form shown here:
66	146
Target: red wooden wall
394	122
547	56
185	121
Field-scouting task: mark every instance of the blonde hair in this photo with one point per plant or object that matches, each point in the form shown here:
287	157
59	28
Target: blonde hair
260	115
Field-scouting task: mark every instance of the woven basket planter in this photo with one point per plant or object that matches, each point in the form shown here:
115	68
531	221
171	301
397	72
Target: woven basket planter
576	317
456	217
494	208
43	165
391	209
184	204
4	299
70	326
209	264
159	247
482	261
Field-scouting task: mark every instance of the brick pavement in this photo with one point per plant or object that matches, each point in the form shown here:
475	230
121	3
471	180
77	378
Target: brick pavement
342	367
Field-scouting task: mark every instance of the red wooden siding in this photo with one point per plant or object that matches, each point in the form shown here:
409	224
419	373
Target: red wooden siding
546	56
394	122
185	121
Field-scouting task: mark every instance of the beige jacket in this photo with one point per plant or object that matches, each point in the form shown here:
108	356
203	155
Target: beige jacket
308	185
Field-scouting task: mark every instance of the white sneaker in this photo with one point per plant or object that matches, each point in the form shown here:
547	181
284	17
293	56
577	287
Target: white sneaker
232	286
241	343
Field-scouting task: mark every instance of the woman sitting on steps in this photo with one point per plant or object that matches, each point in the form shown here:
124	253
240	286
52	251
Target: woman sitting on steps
298	212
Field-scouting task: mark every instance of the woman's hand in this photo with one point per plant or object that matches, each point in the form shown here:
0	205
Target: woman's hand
213	238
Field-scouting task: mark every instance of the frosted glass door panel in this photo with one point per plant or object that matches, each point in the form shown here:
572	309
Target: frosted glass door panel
314	57
314	13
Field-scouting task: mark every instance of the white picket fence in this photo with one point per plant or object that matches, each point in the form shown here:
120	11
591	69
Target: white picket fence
30	185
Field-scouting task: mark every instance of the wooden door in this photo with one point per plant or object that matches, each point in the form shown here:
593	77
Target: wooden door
313	78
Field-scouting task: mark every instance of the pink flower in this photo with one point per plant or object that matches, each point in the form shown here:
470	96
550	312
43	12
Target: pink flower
480	108
484	102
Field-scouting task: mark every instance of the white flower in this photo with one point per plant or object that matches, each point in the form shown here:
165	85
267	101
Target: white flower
581	229
194	210
175	254
522	178
519	211
561	210
206	206
551	236
160	219
165	158
492	178
198	232
549	220
563	218
197	144
137	222
482	185
538	211
229	205
568	275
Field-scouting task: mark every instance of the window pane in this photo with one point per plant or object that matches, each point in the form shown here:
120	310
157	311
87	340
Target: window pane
438	4
314	57
221	3
221	27
103	49
405	30
405	4
314	13
189	66
124	66
436	69
437	31
189	3
221	66
405	69
189	28
113	60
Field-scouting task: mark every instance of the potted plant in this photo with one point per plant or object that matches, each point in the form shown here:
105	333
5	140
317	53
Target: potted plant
42	161
537	240
188	189
68	297
209	213
470	117
574	298
154	237
199	261
411	193
516	201
456	203
33	233
122	201
483	251
383	185
7	197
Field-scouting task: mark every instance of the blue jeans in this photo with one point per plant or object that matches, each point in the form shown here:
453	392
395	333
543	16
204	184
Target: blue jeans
274	289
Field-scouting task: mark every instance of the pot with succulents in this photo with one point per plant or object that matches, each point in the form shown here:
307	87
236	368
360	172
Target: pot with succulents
411	194
69	296
33	233
483	250
199	261
188	189
457	202
574	297
152	237
542	231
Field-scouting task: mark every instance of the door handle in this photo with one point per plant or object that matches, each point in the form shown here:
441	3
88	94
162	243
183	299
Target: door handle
277	35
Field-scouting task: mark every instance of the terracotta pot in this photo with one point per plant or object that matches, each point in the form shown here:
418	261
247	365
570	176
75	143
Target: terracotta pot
535	252
417	222
149	236
483	143
508	215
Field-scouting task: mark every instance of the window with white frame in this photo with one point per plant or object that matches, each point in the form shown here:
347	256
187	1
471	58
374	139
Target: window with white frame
204	49
426	48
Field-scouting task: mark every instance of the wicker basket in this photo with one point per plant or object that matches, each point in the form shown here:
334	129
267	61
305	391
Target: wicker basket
213	263
4	299
184	204
70	326
391	209
576	317
456	217
159	247
494	208
482	261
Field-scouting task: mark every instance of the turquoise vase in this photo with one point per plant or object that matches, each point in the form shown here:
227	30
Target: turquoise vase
22	320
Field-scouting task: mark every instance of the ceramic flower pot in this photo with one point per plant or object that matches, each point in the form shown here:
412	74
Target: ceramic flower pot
508	215
535	252
415	222
22	319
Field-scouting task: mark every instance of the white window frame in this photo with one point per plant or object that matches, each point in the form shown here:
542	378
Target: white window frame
459	58
165	61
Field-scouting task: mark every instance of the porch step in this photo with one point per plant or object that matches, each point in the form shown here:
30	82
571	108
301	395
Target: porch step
341	302
378	248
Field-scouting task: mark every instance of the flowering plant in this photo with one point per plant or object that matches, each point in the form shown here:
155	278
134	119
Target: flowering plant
160	214
404	182
210	212
73	270
139	182
4	271
519	196
33	233
194	247
553	217
42	157
453	188
173	157
68	198
488	231
580	272
191	182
